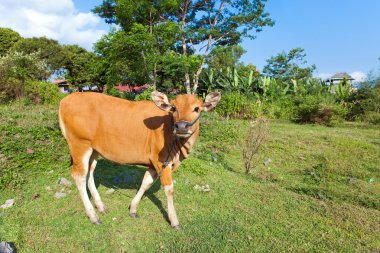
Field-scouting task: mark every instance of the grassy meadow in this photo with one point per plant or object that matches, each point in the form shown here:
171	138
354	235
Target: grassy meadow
318	192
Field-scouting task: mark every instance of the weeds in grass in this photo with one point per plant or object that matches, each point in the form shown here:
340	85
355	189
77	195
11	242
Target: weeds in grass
256	135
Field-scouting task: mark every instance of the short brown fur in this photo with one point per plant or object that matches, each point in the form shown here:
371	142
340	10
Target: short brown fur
126	132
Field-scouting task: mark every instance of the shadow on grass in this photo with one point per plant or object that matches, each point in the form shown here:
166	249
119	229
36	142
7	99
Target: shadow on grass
118	176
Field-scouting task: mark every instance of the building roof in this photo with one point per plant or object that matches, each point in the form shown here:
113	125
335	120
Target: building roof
341	76
59	81
130	88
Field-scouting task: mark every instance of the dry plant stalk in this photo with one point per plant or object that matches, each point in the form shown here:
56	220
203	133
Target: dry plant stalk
256	135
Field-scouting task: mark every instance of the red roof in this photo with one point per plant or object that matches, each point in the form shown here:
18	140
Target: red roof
123	88
131	88
59	81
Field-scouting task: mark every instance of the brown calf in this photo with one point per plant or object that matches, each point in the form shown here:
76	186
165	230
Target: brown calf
138	133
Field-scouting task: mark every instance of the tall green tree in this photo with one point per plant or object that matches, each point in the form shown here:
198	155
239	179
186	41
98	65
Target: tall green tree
8	38
201	25
80	66
222	57
46	49
137	56
288	66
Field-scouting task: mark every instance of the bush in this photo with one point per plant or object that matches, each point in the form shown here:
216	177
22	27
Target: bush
129	96
145	95
279	109
372	117
364	105
235	105
15	70
318	110
114	92
38	92
10	89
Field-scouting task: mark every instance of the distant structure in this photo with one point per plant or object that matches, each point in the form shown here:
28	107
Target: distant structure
62	85
127	88
338	77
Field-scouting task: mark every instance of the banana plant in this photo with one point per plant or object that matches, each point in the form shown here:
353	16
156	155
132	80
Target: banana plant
271	88
247	83
229	80
343	90
208	80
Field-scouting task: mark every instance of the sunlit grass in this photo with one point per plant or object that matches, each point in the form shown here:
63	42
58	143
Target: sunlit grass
302	201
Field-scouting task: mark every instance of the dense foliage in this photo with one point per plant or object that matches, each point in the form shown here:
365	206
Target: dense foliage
155	47
26	62
173	31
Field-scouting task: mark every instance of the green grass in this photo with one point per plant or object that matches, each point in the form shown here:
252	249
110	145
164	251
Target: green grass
274	209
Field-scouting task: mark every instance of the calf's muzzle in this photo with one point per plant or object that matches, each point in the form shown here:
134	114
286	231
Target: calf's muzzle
181	127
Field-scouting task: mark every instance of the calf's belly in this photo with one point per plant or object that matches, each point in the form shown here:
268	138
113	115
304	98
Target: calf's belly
124	152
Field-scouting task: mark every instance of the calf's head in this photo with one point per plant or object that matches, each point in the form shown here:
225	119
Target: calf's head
186	110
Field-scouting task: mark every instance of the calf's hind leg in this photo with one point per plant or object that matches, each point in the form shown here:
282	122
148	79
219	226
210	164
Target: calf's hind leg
91	184
81	158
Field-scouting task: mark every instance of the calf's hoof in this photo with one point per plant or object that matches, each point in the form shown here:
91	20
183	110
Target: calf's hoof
98	222
133	215
103	211
177	227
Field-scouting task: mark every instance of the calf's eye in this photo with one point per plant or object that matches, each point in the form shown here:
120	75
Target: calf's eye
196	109
173	109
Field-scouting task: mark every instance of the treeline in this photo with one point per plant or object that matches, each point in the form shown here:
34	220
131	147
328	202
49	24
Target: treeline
185	47
27	63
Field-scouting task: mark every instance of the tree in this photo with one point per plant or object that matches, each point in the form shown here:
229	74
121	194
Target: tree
8	38
222	57
245	70
201	24
137	56
287	66
16	69
45	49
80	66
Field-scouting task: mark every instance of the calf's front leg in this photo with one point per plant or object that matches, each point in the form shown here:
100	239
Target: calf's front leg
167	182
147	182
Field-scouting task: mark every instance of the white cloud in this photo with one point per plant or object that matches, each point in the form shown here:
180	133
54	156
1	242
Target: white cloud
358	76
57	20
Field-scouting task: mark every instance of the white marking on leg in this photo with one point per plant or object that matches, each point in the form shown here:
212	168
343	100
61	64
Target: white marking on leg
149	177
169	191
92	187
81	185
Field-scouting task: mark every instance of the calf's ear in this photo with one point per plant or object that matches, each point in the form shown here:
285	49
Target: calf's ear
211	101
161	100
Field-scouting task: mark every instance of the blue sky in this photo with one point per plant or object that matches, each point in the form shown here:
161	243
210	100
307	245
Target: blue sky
337	35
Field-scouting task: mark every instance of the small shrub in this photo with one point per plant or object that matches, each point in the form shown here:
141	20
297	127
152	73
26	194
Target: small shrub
235	105
145	95
364	105
372	117
318	110
279	109
114	92
129	96
38	92
254	139
10	89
